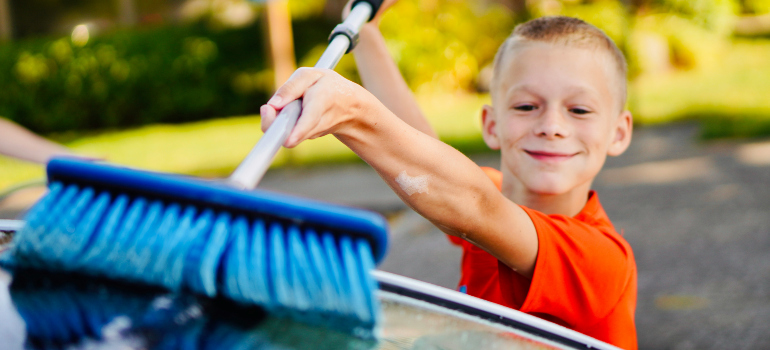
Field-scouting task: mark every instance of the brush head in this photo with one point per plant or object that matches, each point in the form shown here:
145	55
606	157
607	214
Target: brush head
304	259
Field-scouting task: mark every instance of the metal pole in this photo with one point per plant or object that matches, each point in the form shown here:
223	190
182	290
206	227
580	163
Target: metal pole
253	168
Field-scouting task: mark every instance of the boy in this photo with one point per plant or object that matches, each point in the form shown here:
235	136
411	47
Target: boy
538	240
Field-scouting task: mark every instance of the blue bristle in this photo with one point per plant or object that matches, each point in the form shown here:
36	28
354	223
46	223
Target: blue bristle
335	270
234	256
358	300
194	254
367	264
321	264
126	232
309	269
136	246
171	240
152	246
302	299
34	233
243	247
180	256
306	270
278	266
40	210
210	260
258	264
85	232
94	255
63	232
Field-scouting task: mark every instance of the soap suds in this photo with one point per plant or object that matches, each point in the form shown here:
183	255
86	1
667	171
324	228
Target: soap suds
412	185
162	302
115	329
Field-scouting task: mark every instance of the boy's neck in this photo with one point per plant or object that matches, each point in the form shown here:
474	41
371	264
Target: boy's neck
570	203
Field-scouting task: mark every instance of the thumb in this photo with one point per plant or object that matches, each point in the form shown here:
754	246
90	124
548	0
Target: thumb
268	115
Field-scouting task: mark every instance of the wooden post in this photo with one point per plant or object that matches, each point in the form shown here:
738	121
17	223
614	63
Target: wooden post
127	12
280	40
333	9
6	28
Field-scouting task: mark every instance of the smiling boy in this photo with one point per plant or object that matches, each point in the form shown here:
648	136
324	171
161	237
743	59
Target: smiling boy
536	240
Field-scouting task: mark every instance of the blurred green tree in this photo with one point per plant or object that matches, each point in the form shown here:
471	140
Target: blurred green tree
443	44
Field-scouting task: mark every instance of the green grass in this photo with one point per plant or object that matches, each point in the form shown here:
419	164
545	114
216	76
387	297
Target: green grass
730	100
214	148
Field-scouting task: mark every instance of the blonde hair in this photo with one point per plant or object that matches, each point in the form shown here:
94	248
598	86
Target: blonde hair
566	31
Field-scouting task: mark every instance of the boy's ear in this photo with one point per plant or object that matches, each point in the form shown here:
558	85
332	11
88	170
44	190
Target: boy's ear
622	137
489	127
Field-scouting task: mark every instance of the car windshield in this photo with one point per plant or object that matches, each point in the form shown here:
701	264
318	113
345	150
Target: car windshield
40	310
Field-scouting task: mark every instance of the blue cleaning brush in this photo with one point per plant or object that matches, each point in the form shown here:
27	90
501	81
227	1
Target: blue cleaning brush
305	259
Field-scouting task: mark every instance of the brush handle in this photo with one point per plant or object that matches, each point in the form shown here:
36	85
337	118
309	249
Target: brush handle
374	3
250	172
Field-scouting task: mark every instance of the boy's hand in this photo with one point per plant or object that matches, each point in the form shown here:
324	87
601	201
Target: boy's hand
376	20
329	103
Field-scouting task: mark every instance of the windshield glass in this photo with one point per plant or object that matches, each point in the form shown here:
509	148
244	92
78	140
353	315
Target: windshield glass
40	310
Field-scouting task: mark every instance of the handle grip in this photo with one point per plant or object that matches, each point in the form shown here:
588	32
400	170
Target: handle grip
374	3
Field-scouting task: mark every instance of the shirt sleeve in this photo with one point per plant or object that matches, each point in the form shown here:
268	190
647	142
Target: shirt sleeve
581	271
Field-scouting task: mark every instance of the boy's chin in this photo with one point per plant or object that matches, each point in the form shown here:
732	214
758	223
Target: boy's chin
549	187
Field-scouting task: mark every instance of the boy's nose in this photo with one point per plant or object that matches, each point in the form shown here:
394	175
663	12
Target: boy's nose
551	124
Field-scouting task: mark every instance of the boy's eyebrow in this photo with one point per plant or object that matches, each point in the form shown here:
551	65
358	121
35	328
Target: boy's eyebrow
571	90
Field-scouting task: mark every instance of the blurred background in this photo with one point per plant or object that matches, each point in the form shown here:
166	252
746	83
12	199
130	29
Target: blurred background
155	83
175	86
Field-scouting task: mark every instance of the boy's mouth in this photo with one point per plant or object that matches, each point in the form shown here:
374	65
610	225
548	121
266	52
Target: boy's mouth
549	156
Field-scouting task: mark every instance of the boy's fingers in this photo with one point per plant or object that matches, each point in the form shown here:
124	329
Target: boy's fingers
268	114
312	123
307	121
295	87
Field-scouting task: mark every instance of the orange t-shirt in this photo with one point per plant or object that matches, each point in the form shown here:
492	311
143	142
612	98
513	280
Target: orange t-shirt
584	278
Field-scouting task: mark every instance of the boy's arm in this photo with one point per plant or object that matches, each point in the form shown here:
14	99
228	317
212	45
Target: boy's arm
431	177
18	142
380	75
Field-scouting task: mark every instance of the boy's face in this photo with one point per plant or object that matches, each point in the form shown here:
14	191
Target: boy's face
556	115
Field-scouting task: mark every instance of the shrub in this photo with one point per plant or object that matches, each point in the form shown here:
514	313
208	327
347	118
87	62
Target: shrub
128	78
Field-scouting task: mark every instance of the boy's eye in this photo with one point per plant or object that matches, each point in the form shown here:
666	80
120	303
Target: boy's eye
579	111
525	108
